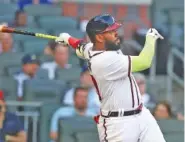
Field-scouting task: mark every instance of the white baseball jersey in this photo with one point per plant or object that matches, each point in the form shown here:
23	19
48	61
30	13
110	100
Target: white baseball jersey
111	74
118	91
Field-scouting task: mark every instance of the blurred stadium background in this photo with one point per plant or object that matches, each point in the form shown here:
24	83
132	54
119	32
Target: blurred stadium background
43	95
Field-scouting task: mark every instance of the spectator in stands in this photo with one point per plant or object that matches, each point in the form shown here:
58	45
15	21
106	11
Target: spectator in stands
50	47
22	3
162	110
30	65
141	82
80	108
20	19
6	43
61	56
86	81
11	128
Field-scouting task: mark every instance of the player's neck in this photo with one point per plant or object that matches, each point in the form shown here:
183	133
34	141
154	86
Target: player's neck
98	47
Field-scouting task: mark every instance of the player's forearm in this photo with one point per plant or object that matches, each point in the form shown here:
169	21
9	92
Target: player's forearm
144	60
79	45
74	42
82	48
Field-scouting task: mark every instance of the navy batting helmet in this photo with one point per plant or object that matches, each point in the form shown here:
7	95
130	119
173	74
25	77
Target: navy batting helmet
101	23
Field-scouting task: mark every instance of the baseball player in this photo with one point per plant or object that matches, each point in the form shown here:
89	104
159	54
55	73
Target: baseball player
123	117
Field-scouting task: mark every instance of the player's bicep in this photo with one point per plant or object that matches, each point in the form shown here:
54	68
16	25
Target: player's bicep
117	67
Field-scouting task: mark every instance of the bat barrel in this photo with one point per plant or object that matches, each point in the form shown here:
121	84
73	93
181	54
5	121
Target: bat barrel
45	36
22	32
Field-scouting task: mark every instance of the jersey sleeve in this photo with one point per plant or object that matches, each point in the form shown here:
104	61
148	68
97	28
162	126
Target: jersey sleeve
114	66
144	60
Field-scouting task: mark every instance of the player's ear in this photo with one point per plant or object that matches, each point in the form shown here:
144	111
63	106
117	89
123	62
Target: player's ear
99	38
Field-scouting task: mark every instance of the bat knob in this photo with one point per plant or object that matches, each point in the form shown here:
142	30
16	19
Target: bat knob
1	28
2	25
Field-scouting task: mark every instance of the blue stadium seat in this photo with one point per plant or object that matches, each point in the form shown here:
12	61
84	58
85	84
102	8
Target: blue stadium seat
9	86
42	74
31	22
17	46
171	126
7	18
43	9
56	22
15	59
36	47
7	9
173	130
45	58
6	61
174	137
87	136
74	127
47	110
68	75
75	33
74	60
44	90
12	70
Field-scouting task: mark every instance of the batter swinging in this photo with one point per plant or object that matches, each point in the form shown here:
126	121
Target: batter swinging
123	117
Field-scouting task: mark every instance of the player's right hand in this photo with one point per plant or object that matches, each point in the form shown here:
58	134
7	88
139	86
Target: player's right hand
83	49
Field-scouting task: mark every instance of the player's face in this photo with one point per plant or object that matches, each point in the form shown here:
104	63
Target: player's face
112	40
80	99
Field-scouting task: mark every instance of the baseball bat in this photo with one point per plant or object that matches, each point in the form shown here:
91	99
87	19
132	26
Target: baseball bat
5	29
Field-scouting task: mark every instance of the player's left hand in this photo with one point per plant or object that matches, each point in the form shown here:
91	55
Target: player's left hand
153	33
63	38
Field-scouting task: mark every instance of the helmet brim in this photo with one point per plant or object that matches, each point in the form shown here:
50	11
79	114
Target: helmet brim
113	27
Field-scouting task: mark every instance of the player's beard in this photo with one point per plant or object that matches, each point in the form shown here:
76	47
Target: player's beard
112	46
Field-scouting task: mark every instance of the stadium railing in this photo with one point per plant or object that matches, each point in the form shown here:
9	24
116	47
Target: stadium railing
172	75
30	117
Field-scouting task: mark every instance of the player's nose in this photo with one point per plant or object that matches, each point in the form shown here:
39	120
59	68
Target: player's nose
115	33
